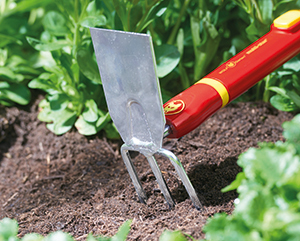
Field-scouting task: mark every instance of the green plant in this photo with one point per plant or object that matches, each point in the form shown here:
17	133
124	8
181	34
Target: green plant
168	235
284	81
190	38
9	231
13	74
71	78
209	32
268	206
16	69
196	28
286	84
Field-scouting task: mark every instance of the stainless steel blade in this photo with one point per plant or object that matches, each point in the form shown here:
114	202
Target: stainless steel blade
128	74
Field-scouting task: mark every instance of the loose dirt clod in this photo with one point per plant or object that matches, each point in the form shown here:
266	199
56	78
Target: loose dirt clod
80	185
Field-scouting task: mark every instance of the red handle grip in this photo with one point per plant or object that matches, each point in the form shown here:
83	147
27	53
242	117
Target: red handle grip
190	108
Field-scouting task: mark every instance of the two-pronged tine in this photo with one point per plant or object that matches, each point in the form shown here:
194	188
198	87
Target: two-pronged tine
159	177
161	181
132	172
183	176
136	182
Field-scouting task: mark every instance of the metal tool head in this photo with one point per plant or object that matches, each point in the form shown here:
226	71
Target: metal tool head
128	74
127	67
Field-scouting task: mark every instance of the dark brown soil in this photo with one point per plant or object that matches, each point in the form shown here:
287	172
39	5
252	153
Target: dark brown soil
80	185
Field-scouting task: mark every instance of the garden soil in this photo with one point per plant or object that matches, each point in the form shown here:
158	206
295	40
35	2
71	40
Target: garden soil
79	184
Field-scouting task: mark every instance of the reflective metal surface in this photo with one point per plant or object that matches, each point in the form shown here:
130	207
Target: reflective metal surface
127	67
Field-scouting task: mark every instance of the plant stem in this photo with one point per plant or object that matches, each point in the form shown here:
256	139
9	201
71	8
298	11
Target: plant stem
257	10
76	35
266	94
76	10
178	22
128	18
147	9
138	27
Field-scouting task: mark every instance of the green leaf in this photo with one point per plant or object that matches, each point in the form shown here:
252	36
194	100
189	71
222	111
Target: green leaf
4	85
195	30
120	14
292	131
15	92
84	127
280	91
296	81
167	58
156	11
58	101
66	66
90	112
87	65
45	111
43	82
293	64
270	170
205	43
44	59
111	131
90	128
3	57
252	31
294	97
236	183
282	2
63	120
118	25
59	236
224	228
180	41
27	5
282	103
103	120
55	23
5	40
136	15
122	232
121	235
71	91
268	205
69	7
7	73
266	10
43	46
284	73
92	9
26	71
93	21
33	237
172	236
90	237
8	229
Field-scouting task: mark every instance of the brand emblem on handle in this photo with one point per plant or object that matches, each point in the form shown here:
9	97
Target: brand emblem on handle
174	107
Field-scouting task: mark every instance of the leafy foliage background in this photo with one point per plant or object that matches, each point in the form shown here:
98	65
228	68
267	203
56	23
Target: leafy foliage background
47	45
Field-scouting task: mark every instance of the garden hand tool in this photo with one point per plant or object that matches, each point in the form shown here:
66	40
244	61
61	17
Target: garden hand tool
128	73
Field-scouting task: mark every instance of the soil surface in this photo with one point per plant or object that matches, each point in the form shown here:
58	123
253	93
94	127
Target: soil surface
80	185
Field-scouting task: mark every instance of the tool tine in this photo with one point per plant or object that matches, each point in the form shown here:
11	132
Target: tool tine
132	173
183	176
161	181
